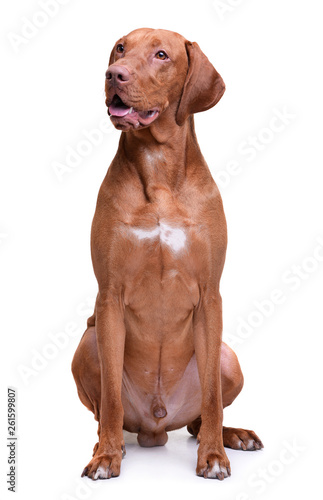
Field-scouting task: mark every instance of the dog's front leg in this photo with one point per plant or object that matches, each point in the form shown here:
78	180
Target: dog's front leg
212	459
111	341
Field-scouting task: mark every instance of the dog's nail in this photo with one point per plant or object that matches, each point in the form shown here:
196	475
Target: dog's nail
221	476
84	471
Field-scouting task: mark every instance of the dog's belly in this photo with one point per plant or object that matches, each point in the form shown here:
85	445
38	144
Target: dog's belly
161	388
178	403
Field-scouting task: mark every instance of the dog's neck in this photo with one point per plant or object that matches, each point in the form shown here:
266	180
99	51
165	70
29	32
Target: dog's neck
149	153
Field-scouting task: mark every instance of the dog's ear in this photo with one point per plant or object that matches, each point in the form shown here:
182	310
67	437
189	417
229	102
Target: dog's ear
203	86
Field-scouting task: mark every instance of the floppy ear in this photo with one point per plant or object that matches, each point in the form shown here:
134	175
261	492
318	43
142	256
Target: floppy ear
203	86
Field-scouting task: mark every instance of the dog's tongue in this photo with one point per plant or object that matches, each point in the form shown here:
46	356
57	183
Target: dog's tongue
117	108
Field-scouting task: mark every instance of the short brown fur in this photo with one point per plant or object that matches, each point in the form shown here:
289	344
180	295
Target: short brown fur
152	358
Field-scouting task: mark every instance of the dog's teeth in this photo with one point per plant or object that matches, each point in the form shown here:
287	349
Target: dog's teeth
130	110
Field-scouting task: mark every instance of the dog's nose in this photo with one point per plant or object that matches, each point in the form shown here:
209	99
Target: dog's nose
117	74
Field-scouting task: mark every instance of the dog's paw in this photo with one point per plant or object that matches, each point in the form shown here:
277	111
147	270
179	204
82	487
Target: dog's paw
212	464
104	466
241	439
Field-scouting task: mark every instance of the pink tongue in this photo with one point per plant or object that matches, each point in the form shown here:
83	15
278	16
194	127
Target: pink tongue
118	110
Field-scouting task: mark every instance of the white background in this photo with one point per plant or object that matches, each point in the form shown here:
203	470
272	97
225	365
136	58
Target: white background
269	54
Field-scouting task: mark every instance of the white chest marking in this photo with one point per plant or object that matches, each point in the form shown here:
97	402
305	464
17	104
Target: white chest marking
174	237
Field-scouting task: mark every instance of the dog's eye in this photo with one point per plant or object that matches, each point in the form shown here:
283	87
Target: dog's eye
161	55
120	48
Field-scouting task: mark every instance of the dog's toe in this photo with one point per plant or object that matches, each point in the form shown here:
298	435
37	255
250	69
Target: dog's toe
212	464
104	466
241	439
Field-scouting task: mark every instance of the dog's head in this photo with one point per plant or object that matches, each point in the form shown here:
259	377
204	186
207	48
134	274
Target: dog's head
151	71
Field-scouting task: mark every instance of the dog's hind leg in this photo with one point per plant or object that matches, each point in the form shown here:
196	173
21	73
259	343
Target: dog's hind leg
231	383
86	372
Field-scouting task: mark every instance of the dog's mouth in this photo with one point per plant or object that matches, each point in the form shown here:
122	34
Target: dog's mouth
123	116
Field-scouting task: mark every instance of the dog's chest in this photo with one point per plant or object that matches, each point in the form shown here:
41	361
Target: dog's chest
172	236
159	268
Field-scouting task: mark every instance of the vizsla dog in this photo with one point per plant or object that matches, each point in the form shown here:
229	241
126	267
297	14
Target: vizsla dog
152	358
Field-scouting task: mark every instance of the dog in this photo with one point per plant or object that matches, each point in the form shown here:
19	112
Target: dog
152	358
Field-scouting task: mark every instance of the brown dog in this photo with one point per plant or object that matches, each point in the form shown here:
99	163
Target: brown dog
152	358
